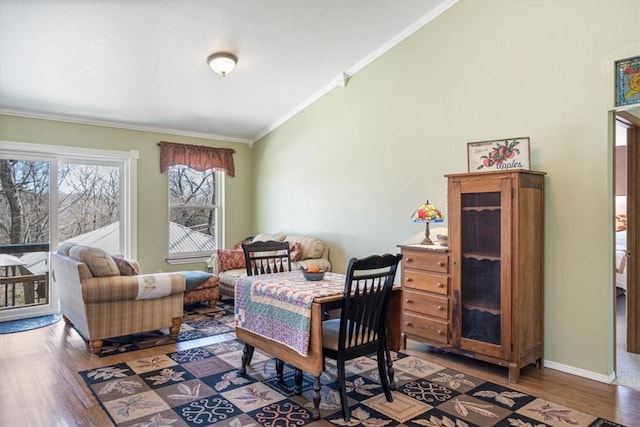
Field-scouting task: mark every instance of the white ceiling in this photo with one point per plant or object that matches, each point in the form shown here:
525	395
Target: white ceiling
142	64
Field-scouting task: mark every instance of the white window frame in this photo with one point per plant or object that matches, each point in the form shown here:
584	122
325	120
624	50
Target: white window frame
190	257
55	154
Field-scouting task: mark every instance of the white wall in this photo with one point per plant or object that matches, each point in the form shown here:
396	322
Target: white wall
353	167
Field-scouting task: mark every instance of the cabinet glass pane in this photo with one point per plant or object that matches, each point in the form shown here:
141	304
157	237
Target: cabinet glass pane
480	239
481	232
481	300
483	200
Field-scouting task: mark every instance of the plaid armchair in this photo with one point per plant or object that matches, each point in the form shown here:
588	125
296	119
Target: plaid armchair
100	302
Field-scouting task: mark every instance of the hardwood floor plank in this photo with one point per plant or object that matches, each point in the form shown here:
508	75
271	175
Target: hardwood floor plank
40	385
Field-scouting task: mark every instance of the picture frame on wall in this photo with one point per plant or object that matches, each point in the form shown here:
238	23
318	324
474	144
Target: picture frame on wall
627	81
498	155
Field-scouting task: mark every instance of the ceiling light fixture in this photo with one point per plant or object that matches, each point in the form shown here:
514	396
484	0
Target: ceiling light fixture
222	62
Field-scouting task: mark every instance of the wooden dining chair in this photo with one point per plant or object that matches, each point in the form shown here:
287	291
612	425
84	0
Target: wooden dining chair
362	327
266	258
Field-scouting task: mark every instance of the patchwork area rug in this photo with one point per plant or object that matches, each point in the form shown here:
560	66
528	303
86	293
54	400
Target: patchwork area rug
197	322
201	387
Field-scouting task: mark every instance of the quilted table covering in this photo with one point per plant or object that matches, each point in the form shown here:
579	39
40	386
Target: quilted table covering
278	306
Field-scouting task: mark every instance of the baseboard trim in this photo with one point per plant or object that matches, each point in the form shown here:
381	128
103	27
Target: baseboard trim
607	379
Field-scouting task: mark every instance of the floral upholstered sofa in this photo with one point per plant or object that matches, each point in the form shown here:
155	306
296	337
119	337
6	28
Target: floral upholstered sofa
104	296
305	251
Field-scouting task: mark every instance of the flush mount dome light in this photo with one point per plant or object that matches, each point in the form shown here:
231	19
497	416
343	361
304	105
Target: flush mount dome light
222	62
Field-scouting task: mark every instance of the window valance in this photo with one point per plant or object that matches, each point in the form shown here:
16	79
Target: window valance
196	157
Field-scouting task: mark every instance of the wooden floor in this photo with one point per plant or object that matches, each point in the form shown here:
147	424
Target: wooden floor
40	385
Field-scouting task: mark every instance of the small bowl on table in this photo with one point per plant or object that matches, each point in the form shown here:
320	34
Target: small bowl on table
312	275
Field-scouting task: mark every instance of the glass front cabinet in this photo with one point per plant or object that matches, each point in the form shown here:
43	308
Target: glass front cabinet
495	250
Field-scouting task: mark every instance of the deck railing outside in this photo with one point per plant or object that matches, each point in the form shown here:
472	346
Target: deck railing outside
24	275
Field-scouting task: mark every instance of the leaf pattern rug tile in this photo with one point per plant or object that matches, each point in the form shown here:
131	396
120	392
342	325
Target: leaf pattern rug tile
198	322
202	387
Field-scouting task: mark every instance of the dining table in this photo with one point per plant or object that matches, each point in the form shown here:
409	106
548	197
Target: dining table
281	314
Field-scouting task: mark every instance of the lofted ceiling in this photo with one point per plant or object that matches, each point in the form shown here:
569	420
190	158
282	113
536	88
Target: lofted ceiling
141	64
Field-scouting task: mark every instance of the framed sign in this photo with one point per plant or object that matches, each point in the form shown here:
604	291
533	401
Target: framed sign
628	81
498	155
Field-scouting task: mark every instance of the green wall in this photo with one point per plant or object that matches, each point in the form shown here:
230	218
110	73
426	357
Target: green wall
353	166
152	185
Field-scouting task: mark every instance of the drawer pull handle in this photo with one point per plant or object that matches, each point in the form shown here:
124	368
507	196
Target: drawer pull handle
440	285
440	308
409	259
408	301
440	264
409	279
440	332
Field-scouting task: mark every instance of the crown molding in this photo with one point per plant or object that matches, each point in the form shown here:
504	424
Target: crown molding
117	125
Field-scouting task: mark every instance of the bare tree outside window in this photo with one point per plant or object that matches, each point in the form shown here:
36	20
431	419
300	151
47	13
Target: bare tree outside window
193	207
24	201
89	198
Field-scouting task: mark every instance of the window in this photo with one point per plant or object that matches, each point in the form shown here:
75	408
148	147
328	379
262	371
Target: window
194	212
196	175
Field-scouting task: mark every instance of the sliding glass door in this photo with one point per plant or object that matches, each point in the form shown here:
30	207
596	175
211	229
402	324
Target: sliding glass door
84	196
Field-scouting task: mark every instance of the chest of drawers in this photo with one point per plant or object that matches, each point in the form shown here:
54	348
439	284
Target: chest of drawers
425	294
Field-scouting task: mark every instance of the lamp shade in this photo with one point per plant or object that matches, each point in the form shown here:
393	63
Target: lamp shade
427	213
222	62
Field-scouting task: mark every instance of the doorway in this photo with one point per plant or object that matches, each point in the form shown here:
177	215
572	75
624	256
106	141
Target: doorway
627	180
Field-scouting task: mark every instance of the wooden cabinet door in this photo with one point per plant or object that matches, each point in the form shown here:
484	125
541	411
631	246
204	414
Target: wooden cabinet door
480	243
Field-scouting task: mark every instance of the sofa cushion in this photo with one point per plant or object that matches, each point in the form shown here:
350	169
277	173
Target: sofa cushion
99	262
196	278
229	277
65	247
231	259
295	251
311	247
125	267
263	237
